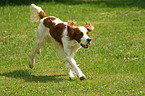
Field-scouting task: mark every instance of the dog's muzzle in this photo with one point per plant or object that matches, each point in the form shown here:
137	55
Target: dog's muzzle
86	45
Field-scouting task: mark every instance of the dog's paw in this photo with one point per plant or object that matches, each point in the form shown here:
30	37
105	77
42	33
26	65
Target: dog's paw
31	65
82	77
71	78
39	51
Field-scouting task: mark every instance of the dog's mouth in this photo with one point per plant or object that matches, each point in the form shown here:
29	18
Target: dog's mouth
85	46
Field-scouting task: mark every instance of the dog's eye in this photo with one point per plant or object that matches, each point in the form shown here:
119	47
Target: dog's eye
81	34
87	33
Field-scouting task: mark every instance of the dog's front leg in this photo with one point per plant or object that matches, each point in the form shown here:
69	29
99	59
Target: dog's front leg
76	68
69	71
69	67
69	57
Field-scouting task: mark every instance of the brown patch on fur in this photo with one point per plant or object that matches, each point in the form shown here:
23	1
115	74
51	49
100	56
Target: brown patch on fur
48	22
74	34
55	30
42	14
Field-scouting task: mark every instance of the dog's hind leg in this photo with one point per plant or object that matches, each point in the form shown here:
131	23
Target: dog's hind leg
37	47
39	51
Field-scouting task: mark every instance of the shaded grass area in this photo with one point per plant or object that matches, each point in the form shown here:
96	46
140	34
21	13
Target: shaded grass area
101	3
28	77
114	64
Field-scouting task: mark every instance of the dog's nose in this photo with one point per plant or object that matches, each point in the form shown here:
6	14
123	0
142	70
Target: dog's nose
89	40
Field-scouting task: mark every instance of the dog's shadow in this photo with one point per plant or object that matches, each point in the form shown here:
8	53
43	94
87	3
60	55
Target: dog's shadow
29	77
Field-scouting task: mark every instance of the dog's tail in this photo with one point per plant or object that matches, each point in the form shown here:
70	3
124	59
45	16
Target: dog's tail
36	13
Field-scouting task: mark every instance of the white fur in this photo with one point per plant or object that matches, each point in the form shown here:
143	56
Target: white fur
34	10
67	51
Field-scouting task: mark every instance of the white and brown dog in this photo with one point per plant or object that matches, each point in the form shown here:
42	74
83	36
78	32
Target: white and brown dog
66	37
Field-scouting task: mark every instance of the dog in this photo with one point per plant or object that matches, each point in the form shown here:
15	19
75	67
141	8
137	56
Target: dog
66	37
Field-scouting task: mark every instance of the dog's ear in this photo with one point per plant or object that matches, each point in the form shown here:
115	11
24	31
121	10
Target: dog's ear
70	31
70	28
71	23
89	26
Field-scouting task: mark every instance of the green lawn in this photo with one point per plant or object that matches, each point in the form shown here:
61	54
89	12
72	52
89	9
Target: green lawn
114	64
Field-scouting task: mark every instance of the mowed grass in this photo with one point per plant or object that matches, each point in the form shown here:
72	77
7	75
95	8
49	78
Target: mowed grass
114	64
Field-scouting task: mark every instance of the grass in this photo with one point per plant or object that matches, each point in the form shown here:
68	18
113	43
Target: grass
114	64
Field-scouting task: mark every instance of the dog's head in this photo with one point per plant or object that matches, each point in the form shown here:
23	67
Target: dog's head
80	33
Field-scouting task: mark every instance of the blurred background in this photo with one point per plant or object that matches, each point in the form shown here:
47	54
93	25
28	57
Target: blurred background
112	3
